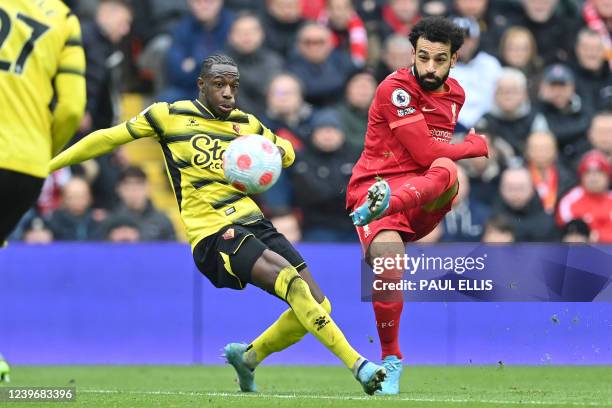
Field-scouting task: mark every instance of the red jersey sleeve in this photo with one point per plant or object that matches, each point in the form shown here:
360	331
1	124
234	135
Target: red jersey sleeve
400	108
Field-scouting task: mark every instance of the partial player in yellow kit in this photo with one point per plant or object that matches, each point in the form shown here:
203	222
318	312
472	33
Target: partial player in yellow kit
42	77
232	243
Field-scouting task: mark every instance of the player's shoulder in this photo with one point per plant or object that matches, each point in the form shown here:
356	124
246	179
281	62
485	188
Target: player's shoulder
156	113
244	118
183	106
399	84
401	78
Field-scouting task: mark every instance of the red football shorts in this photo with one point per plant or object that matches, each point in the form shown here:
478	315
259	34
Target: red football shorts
412	224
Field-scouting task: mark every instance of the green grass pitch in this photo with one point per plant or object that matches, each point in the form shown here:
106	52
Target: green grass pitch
299	386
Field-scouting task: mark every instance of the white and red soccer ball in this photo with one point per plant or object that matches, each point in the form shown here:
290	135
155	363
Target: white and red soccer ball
252	164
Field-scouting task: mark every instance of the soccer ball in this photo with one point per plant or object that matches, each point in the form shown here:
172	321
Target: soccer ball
252	164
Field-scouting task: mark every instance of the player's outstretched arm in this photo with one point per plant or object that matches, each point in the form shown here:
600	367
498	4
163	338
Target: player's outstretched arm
415	136
69	86
149	123
93	145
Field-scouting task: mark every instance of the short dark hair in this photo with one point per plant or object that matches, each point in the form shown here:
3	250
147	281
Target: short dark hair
438	29
133	172
576	226
215	59
125	3
500	222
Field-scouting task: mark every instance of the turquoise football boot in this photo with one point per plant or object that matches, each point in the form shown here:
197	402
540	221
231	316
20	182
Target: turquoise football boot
234	354
370	376
393	366
5	370
379	195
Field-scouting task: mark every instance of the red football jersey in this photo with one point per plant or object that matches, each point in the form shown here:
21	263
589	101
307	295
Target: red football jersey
391	150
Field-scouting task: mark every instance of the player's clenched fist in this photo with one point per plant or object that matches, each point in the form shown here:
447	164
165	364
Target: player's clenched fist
479	143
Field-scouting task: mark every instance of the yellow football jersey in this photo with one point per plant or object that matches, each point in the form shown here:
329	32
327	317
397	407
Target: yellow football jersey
42	68
193	142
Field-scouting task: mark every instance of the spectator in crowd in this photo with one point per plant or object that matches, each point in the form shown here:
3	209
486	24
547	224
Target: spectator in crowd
257	64
371	12
600	133
322	69
597	15
484	175
76	220
353	110
477	72
153	18
102	39
347	28
490	18
281	21
590	201
287	223
512	116
518	49
320	175
576	232
465	223
287	114
554	33
499	229
593	77
519	202
396	54
290	117
567	115
136	204
252	6
37	231
154	22
195	37
399	16
121	228
550	177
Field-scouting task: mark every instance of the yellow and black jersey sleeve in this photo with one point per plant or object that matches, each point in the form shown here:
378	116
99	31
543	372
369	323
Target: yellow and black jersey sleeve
72	57
146	124
69	86
149	123
284	144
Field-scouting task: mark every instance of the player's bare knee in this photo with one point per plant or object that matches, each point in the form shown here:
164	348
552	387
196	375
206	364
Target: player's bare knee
384	252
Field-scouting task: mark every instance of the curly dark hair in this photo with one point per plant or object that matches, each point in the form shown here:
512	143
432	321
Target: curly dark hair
438	29
215	59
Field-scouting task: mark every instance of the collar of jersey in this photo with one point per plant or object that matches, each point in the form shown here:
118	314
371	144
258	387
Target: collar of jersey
208	114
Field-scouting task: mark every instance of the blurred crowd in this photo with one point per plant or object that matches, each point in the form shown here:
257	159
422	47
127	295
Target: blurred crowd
536	75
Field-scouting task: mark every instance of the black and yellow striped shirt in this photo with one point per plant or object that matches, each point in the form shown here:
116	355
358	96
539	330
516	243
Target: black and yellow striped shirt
193	142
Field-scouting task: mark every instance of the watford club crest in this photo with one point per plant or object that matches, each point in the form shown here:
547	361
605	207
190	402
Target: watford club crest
236	128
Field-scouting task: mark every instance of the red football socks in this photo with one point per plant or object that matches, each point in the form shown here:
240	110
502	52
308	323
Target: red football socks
388	323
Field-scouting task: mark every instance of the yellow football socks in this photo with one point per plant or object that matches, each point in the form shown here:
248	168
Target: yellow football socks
290	286
284	332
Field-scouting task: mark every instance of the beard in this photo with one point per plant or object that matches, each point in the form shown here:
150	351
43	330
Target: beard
430	85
